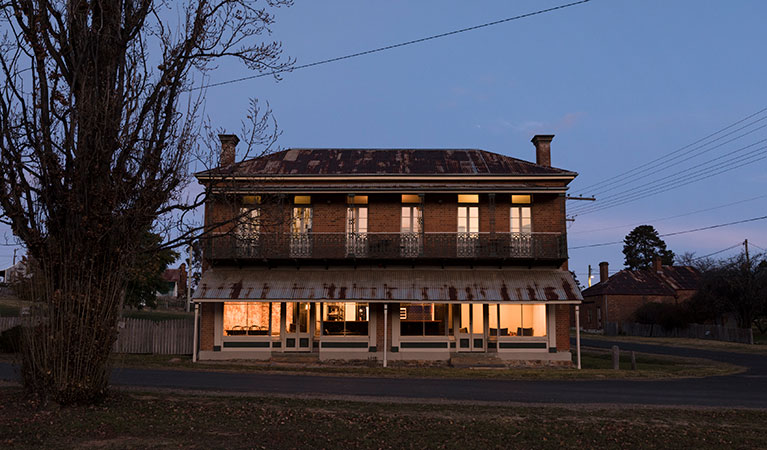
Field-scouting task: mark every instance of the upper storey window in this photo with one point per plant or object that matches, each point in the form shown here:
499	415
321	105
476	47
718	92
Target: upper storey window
468	224
357	225
521	226
410	226
301	226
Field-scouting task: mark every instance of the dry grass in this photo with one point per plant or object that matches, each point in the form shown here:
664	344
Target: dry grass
684	342
596	363
177	420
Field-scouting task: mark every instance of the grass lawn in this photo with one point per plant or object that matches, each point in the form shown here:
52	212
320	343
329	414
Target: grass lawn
173	420
596	363
758	347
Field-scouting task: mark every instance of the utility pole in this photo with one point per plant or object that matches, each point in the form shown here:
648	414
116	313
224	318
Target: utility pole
746	244
589	275
14	256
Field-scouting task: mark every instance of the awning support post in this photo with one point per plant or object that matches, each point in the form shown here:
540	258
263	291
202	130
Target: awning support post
578	335
196	337
385	331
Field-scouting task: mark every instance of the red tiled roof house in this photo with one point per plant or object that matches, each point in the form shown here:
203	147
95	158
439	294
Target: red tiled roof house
616	298
386	254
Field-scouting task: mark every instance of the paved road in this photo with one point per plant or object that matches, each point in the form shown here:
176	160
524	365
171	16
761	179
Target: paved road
748	389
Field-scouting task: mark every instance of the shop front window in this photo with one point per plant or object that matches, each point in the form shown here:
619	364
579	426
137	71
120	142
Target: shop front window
345	319
424	319
251	318
518	320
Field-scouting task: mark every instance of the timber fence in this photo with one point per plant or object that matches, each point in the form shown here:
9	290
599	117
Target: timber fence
693	330
167	337
7	323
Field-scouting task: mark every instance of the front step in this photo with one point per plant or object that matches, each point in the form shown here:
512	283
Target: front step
478	360
296	358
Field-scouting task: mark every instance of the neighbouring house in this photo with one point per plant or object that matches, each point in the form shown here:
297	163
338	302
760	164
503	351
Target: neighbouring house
615	298
14	273
175	280
386	254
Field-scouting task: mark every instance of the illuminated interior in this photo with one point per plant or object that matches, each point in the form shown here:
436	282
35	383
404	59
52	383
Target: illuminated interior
345	319
518	320
251	319
471	320
424	319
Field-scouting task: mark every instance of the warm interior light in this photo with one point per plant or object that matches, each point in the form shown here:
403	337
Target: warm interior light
411	198
468	198
521	199
302	199
357	199
251	199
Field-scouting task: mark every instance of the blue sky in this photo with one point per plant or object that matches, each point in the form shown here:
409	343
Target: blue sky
619	82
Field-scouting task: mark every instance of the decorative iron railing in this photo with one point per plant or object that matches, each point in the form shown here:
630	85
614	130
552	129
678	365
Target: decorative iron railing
552	246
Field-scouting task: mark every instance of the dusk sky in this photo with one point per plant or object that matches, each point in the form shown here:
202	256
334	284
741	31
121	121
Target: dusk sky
621	83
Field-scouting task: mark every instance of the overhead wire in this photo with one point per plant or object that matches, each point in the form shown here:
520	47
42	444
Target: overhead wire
755	156
392	46
732	152
676	233
621	176
593	230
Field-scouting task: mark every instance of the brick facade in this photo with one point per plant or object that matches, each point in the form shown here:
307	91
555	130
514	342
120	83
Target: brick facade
207	326
563	327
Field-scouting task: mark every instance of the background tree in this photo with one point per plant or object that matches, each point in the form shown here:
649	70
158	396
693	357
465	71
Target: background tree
145	278
642	245
737	286
95	149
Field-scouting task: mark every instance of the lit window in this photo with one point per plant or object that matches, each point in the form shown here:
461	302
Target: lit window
345	319
468	198
518	320
521	199
411	198
251	199
302	199
357	199
251	318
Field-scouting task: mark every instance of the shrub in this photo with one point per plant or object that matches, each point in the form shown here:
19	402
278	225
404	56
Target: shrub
667	315
10	340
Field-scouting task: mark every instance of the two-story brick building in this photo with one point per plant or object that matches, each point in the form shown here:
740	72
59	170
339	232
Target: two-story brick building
386	254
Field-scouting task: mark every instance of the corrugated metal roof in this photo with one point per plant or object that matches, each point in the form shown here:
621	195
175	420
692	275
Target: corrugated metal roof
382	285
333	161
648	282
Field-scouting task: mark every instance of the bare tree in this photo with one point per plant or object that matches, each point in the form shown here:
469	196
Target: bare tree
95	148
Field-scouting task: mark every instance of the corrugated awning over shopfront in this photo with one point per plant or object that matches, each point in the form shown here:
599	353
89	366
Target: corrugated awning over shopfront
389	285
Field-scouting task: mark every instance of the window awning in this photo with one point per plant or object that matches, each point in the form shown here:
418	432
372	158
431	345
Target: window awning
432	285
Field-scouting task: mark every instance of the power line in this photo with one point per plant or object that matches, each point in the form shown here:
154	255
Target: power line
622	175
676	233
670	217
393	46
702	164
671	185
760	248
717	252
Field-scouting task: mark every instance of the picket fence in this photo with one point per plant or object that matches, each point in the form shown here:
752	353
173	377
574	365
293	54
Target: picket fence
693	330
167	337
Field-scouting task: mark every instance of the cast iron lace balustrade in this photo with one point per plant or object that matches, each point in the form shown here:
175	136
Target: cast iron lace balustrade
551	246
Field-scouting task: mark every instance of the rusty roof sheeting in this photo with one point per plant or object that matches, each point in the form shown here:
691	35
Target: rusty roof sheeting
382	285
648	282
332	161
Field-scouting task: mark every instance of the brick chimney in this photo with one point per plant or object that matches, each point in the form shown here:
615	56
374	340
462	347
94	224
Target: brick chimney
542	143
656	264
604	273
228	145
